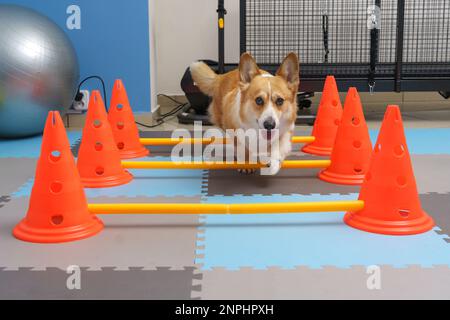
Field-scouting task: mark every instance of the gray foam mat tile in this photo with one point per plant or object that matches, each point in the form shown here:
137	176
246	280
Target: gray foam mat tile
301	181
289	181
432	173
438	206
14	172
146	241
327	283
161	283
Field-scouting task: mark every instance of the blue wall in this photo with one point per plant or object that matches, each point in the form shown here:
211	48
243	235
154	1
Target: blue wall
113	41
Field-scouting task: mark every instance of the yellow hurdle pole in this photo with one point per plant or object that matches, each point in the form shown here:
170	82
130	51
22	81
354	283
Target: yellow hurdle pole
221	208
288	164
175	141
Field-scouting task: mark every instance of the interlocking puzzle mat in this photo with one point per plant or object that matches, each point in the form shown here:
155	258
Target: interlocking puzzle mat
232	257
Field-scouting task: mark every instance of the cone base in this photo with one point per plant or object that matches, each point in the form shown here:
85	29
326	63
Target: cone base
133	154
317	151
337	178
106	182
397	228
25	232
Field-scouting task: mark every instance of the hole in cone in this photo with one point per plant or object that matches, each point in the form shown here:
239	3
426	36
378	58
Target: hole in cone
97	123
120	145
355	121
56	187
404	213
55	156
357	144
120	125
358	169
119	107
401	181
57	219
334	103
336	122
399	150
98	146
99	171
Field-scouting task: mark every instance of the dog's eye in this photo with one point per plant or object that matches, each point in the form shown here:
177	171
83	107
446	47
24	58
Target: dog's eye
279	102
259	101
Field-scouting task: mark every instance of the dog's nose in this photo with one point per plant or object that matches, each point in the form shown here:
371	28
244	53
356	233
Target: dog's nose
269	124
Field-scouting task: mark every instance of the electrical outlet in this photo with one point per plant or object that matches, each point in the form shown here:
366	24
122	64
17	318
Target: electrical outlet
83	104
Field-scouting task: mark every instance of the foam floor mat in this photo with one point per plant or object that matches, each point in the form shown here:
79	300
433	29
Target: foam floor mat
228	257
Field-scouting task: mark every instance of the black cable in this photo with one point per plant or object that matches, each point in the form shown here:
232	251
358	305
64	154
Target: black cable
103	85
161	119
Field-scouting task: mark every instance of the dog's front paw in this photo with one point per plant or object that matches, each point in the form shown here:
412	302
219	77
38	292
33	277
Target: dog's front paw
272	169
246	171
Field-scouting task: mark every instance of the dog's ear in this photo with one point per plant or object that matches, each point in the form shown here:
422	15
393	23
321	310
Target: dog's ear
289	70
248	68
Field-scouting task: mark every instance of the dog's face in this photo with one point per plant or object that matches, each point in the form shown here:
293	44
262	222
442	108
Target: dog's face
268	102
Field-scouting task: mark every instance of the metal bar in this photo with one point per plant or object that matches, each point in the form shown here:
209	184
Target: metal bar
399	45
175	141
374	51
221	12
199	165
222	208
243	25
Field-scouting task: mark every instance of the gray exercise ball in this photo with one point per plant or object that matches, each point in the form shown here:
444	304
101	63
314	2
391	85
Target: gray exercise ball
38	71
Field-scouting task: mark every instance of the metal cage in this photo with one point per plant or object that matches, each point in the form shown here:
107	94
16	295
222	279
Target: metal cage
381	45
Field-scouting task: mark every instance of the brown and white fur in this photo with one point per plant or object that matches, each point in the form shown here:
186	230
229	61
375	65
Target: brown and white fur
251	98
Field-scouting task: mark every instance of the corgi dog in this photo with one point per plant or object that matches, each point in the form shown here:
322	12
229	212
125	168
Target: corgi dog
251	98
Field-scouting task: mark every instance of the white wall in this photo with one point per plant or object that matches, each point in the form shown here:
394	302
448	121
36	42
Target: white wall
186	30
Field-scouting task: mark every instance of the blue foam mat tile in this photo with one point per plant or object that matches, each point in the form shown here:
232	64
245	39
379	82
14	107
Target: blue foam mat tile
146	183
309	239
29	147
423	140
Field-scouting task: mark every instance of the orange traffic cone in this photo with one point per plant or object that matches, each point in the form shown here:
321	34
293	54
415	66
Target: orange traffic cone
352	149
327	121
99	161
124	127
58	210
389	192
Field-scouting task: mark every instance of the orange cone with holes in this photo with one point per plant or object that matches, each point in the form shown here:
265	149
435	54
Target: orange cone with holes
126	133
327	121
352	149
389	192
58	210
99	161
